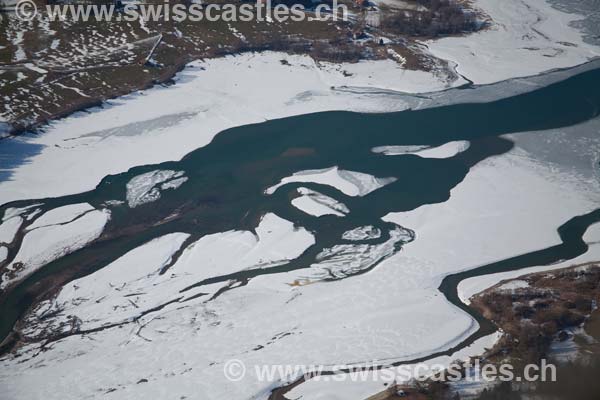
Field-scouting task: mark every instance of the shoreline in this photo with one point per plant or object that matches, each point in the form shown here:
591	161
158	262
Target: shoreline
555	32
96	105
555	302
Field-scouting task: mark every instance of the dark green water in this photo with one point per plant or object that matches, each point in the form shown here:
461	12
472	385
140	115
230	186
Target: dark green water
228	177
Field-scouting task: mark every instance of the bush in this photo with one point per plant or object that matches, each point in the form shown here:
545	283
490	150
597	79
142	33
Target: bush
582	304
523	311
441	18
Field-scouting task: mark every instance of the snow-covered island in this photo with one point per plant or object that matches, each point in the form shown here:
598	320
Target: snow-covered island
161	234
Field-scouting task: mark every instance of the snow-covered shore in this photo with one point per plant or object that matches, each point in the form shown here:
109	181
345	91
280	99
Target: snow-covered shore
166	123
472	286
525	37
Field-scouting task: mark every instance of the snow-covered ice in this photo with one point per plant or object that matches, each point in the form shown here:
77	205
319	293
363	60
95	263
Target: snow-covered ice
134	283
366	314
445	150
362	233
351	183
26	212
60	215
345	260
525	37
47	243
9	228
145	188
317	204
348	387
3	253
485	221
